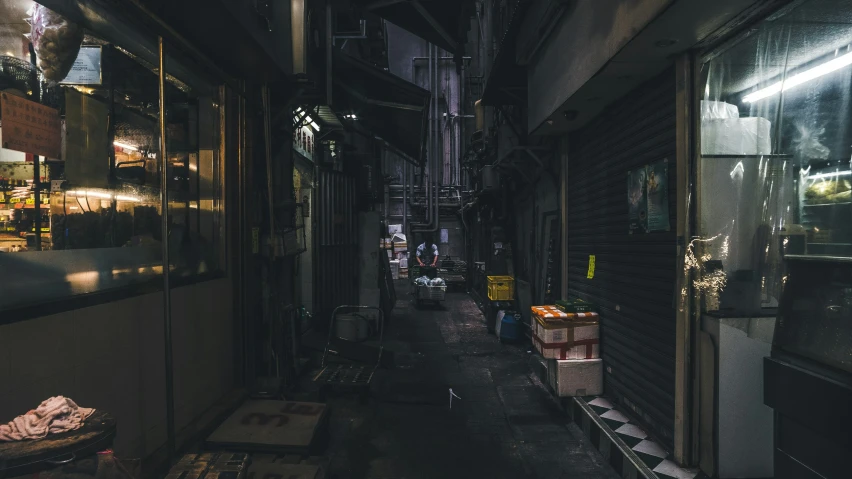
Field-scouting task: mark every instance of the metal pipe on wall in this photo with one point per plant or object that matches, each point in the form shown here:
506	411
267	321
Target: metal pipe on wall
427	179
164	240
404	197
267	144
430	182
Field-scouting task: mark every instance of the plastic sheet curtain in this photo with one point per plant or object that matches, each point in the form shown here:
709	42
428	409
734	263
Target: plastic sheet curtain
774	166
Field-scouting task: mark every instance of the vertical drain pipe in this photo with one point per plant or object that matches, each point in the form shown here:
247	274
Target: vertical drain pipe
404	197
438	159
432	185
167	293
427	183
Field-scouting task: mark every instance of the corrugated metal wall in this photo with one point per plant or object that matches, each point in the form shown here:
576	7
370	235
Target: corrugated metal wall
634	279
336	244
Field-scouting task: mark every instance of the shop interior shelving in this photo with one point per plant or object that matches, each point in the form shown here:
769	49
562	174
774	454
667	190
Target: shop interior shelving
827	221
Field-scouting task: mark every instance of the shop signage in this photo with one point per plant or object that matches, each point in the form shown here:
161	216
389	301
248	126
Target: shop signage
648	198
86	69
30	127
591	273
303	142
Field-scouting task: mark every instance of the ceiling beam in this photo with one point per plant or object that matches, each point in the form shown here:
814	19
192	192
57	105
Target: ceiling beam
435	25
372	101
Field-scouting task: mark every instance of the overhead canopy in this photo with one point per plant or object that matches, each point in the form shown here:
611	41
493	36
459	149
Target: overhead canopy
388	106
444	23
507	82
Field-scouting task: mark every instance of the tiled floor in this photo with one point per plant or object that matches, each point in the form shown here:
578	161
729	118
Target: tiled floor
654	456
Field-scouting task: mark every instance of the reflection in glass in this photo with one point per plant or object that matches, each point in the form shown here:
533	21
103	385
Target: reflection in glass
100	201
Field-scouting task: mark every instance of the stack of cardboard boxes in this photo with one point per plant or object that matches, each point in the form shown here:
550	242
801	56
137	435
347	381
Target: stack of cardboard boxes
397	249
568	336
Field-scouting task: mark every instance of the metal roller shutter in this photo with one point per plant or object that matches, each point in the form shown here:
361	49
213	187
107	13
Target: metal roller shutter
634	279
335	234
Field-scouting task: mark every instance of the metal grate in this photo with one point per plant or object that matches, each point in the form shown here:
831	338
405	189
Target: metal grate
431	293
335	252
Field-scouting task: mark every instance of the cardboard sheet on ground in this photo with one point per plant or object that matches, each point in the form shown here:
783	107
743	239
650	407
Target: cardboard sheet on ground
266	425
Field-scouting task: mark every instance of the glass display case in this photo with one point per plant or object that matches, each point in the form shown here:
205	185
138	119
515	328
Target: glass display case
825	208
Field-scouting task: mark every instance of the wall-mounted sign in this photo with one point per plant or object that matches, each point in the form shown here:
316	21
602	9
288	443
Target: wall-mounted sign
86	69
303	142
30	127
648	198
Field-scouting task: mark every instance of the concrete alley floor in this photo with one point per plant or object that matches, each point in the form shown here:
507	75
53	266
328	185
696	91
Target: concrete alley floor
506	424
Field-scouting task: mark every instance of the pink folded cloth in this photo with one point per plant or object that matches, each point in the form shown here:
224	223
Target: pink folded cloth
55	415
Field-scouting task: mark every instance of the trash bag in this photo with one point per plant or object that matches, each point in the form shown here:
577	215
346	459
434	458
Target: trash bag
56	41
437	282
422	281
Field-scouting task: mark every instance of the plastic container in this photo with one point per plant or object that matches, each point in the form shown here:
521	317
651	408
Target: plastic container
508	326
501	288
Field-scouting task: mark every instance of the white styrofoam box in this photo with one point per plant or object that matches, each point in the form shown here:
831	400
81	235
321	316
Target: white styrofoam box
577	352
394	266
394	229
736	136
718	110
576	377
390	254
398	238
403	262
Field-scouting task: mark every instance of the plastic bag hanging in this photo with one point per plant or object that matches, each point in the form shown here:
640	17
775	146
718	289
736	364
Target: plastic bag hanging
56	41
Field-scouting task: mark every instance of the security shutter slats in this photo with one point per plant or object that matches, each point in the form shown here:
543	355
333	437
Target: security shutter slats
634	278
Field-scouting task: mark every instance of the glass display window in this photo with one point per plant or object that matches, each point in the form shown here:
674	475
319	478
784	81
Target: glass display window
89	218
776	142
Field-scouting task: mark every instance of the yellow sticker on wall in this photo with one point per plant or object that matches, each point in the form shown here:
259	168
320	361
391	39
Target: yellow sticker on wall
591	273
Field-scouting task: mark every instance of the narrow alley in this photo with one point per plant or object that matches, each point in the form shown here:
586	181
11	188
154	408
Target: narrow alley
506	424
425	239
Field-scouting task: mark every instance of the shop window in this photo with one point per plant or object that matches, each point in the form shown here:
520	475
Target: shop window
100	201
776	142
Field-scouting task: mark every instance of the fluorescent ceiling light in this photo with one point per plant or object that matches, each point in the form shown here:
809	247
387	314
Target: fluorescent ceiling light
316	127
828	175
102	195
798	79
125	146
93	194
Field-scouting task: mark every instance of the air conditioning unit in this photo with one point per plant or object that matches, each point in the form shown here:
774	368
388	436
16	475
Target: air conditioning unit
489	178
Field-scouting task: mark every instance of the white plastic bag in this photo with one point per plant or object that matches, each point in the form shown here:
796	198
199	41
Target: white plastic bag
56	41
718	110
